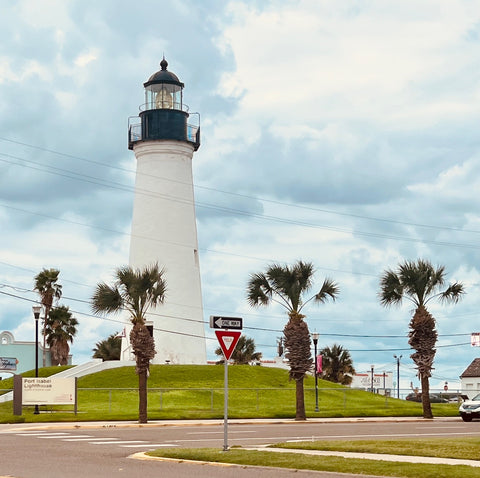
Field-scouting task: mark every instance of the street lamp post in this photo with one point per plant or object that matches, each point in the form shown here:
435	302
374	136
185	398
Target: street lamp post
36	314
372	367
398	374
315	336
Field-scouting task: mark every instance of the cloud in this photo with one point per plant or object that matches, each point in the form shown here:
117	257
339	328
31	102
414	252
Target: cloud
345	134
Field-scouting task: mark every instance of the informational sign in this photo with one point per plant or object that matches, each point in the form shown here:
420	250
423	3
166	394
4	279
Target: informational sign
48	391
8	364
228	340
217	322
380	380
475	339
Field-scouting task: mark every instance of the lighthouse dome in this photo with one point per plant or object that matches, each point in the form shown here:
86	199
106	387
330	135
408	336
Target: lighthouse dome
163	76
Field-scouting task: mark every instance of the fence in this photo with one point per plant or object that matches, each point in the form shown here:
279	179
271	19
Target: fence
242	401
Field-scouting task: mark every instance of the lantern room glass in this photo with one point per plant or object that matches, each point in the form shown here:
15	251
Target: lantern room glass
163	96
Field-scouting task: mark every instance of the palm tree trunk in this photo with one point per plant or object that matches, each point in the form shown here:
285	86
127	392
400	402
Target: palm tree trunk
142	397
427	407
300	399
44	354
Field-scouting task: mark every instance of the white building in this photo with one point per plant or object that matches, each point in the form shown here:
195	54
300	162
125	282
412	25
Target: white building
164	224
470	379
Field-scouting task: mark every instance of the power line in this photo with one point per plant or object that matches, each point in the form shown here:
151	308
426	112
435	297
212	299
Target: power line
277	331
256	198
113	185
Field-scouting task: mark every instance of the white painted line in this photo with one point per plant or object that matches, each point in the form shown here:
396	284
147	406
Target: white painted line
98	439
25	434
77	438
42	434
120	442
220	432
150	445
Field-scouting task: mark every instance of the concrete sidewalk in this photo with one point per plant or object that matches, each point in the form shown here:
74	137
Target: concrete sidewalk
373	456
210	422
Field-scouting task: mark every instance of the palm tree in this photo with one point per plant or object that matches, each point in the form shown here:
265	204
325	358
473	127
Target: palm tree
135	290
337	364
286	286
420	282
108	349
49	290
61	328
244	352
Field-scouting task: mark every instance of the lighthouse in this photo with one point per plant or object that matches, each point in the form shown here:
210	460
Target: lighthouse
164	137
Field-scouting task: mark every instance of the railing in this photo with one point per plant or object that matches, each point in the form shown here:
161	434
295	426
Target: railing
153	106
135	130
335	401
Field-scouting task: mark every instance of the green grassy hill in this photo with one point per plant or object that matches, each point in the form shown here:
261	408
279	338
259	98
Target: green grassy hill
197	391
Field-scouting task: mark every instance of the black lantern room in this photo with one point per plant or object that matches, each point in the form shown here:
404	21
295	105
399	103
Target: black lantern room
164	116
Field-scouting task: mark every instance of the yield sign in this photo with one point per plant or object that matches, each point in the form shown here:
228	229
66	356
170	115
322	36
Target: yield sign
228	340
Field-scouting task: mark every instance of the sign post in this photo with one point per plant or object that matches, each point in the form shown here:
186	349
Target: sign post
228	340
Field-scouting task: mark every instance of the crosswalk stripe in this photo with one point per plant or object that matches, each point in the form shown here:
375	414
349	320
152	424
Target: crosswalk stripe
121	442
64	436
150	445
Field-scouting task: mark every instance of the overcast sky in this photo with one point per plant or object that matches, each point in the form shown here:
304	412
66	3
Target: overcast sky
341	133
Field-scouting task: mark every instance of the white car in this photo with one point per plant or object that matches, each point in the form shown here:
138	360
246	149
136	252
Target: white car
470	409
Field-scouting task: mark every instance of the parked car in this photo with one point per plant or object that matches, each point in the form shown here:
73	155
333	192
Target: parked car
470	409
417	397
454	397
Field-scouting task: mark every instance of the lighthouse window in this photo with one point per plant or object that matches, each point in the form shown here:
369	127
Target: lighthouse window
195	256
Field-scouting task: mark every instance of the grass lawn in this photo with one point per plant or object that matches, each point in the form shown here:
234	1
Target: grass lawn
196	391
463	448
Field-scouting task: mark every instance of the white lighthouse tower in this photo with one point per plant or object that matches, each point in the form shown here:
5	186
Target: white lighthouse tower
163	138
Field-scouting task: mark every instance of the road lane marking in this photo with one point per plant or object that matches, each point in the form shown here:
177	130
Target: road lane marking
118	442
98	439
152	445
220	432
78	438
39	434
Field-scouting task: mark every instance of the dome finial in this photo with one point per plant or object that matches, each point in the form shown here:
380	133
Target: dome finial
163	63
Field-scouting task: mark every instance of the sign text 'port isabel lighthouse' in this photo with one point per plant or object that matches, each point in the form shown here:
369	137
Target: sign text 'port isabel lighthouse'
163	137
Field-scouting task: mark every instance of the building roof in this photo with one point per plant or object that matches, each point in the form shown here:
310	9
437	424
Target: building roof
163	76
473	370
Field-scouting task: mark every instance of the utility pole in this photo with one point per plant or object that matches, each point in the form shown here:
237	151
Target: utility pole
398	373
372	368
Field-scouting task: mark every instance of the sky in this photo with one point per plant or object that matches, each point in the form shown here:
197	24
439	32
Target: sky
340	133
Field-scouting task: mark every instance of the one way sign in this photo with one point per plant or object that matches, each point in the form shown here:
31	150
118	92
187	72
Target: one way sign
217	322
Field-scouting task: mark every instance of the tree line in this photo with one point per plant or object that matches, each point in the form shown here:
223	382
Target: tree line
59	327
137	290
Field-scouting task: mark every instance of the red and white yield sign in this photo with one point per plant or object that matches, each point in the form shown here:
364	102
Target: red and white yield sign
228	340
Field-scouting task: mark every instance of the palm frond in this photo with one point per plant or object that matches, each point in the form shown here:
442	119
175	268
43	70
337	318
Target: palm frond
453	293
328	290
391	289
259	290
106	299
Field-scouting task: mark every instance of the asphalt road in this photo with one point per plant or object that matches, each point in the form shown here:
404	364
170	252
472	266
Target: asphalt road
87	450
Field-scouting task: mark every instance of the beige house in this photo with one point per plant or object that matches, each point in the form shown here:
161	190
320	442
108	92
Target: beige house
470	379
